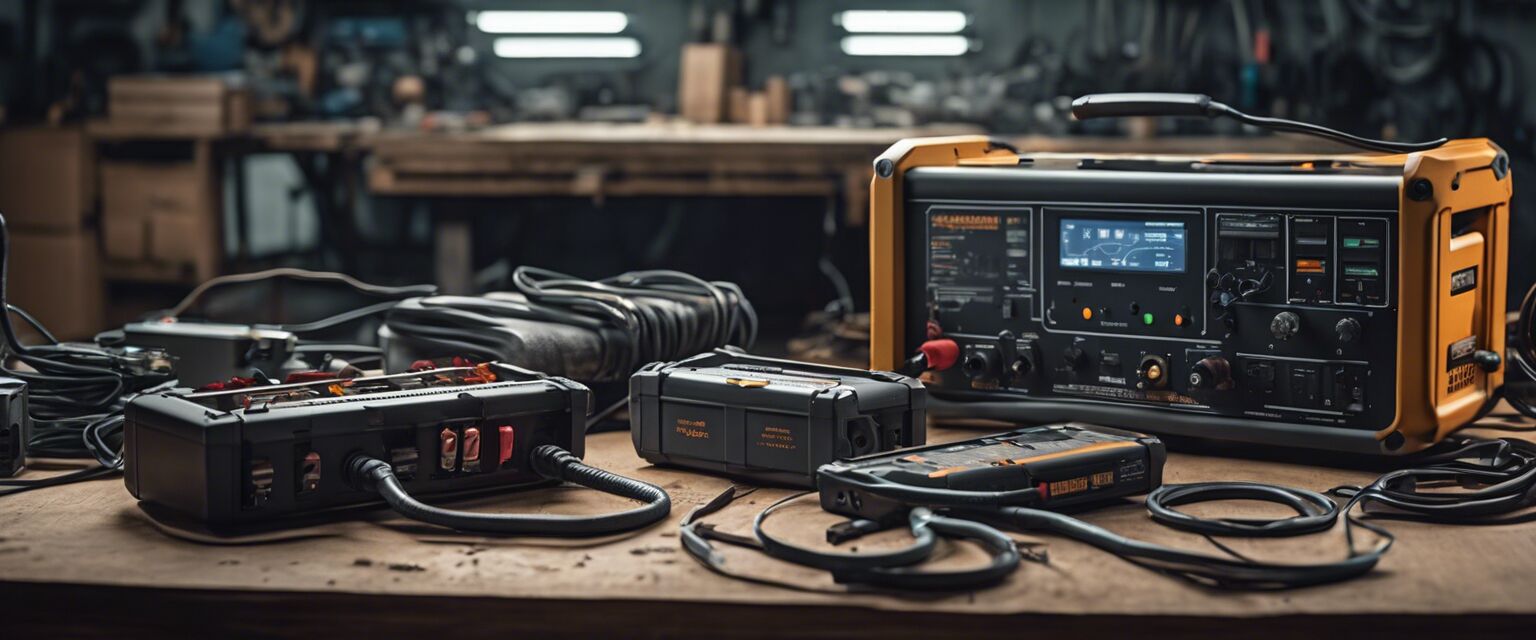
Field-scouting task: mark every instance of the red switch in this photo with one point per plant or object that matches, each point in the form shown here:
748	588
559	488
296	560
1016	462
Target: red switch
505	433
448	453
472	449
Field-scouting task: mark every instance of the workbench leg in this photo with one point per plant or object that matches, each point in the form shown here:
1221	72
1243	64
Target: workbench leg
453	260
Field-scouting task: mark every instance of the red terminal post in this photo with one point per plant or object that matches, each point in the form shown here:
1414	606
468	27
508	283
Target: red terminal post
933	355
448	452
472	449
504	433
941	354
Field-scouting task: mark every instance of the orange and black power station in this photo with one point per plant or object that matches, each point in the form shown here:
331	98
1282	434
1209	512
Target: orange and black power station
1351	302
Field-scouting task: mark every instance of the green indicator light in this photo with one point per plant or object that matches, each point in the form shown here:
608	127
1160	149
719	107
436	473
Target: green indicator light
1146	318
1351	243
1369	272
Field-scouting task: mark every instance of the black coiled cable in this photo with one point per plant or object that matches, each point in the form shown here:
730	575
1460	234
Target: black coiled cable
549	461
1497	478
656	309
1314	511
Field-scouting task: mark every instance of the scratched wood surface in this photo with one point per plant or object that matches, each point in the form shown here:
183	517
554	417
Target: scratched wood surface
92	540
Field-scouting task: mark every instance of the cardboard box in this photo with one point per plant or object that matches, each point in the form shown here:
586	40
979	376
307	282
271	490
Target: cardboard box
57	278
177	239
47	178
178	105
125	238
705	79
143	189
161	214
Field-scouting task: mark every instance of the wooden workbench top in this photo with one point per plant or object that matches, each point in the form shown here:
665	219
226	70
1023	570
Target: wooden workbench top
64	547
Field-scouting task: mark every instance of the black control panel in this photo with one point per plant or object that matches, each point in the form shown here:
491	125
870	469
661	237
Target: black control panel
1222	295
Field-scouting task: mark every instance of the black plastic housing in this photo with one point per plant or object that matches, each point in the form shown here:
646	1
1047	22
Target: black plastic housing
769	420
15	426
1072	464
213	457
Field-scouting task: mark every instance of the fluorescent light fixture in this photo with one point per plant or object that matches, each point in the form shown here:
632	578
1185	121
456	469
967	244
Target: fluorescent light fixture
567	47
902	21
551	21
906	45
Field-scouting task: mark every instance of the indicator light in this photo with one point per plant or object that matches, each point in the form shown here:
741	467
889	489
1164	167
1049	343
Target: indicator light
1304	265
1178	319
1087	313
1146	318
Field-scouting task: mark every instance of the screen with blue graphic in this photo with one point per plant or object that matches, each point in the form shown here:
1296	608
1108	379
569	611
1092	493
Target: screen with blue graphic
1155	246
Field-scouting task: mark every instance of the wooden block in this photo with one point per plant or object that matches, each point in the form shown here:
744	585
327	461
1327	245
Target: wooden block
757	109
779	99
739	108
707	73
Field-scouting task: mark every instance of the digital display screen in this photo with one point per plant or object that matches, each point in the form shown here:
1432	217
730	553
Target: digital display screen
1151	246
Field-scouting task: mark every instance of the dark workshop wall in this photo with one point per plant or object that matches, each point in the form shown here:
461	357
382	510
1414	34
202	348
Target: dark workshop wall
1413	68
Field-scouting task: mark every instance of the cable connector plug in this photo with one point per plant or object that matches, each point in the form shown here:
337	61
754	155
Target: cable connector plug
553	462
363	472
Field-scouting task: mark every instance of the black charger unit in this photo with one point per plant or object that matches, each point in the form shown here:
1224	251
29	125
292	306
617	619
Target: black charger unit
1059	466
768	420
262	453
15	426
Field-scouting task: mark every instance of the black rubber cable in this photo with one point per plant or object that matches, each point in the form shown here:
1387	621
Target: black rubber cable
1232	573
1113	105
1235	572
1314	511
550	462
898	569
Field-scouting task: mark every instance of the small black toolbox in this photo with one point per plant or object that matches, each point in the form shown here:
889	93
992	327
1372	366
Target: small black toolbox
769	420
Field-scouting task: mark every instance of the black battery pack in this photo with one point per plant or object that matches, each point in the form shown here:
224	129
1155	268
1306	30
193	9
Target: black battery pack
262	453
15	426
768	420
1067	465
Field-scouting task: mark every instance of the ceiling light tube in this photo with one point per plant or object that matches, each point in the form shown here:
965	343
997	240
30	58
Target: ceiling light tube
864	21
551	21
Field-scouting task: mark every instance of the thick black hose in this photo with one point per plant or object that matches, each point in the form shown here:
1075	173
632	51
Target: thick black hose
550	462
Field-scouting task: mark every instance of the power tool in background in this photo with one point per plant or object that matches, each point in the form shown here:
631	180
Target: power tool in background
1346	301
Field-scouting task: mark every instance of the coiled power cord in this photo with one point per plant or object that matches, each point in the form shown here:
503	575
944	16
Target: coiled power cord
549	461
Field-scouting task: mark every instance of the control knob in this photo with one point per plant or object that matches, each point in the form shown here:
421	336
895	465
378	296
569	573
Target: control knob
1285	325
1348	330
1211	372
